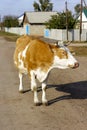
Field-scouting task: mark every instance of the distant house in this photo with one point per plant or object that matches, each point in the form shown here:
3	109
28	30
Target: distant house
34	22
20	19
84	19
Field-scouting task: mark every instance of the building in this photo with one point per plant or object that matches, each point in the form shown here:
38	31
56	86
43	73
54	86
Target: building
20	19
84	19
34	22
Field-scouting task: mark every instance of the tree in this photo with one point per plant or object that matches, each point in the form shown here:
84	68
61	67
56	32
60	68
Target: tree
10	21
59	21
77	8
43	5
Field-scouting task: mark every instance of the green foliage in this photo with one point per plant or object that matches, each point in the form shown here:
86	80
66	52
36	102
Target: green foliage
10	21
77	8
59	21
43	5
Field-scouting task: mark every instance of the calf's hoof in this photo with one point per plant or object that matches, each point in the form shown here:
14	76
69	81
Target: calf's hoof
37	103
21	91
45	103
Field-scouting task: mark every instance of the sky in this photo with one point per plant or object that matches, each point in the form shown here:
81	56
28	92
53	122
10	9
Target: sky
18	7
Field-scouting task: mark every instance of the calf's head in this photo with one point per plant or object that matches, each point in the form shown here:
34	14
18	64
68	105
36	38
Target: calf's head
63	58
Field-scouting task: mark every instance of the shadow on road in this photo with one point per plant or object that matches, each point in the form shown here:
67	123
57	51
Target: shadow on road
77	90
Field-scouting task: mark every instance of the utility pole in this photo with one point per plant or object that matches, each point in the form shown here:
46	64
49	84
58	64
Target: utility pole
80	20
66	20
0	18
0	22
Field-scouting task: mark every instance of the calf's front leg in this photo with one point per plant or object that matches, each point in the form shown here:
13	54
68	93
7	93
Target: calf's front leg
44	99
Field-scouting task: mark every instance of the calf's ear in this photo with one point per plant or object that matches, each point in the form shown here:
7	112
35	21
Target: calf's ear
53	47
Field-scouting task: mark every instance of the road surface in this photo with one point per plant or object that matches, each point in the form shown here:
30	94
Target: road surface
66	92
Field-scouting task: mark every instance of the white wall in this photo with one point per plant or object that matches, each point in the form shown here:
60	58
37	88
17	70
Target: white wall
60	34
57	34
16	30
33	30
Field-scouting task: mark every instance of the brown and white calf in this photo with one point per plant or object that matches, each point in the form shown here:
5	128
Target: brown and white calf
37	58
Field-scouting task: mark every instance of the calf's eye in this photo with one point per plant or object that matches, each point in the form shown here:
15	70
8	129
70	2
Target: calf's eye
64	53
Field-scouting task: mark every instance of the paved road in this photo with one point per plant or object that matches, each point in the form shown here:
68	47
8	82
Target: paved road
67	95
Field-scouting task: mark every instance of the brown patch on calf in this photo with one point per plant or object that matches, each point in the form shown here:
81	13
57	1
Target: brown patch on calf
25	39
39	54
21	44
61	53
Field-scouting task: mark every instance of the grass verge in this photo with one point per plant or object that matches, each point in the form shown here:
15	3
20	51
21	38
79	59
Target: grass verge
9	36
79	50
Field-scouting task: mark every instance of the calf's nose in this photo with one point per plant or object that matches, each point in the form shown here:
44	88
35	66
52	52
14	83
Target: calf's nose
76	65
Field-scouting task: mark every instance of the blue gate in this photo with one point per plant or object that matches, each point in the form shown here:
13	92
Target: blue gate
27	29
46	32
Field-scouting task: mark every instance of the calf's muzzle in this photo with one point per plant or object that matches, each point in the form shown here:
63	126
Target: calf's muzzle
76	65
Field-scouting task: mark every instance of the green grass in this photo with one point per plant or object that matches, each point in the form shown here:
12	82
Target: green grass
9	36
79	50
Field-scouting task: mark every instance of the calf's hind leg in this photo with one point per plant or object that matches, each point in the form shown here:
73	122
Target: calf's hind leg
21	84
34	88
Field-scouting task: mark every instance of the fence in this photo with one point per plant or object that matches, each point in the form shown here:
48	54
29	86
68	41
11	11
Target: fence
27	29
57	34
61	34
16	30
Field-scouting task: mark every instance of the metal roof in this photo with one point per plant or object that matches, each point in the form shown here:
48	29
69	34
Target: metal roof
85	12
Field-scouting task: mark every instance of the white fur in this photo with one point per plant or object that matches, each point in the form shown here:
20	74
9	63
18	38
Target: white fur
71	59
60	63
66	62
21	67
39	74
21	64
20	85
25	50
33	80
44	100
34	87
